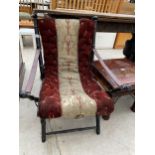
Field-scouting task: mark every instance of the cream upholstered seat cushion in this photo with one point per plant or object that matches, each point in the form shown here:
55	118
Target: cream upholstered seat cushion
75	102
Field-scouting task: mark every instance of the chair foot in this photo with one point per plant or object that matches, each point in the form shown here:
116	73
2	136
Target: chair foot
133	107
97	124
43	130
41	77
106	117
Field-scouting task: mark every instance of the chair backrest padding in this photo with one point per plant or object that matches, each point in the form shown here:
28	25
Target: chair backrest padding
69	87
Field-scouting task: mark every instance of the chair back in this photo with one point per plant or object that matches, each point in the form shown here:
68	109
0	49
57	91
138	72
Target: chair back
50	37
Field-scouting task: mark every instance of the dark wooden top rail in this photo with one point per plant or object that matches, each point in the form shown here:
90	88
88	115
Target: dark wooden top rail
107	22
101	16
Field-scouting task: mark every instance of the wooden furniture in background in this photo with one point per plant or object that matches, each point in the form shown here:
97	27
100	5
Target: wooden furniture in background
25	6
40	4
25	11
106	22
121	39
37	4
126	8
108	6
118	73
112	6
117	77
91	5
26	24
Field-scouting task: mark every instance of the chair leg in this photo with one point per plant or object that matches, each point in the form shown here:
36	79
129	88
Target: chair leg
106	117
133	107
97	124
43	130
41	66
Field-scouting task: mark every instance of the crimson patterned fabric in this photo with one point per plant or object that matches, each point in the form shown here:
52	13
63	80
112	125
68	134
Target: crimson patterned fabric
103	101
50	100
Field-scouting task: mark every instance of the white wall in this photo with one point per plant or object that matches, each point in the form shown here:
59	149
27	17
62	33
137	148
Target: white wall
105	40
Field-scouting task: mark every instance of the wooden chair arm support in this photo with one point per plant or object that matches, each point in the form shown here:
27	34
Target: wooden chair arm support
31	79
107	72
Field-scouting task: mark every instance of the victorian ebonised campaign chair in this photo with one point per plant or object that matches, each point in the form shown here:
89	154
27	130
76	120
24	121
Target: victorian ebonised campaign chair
68	86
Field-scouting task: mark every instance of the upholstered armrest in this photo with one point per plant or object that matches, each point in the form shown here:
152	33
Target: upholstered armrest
31	78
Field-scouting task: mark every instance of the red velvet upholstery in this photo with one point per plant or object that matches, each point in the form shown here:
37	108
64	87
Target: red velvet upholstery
50	101
104	102
49	95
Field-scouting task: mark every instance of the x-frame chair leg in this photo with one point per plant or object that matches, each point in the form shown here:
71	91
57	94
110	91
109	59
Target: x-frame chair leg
43	128
97	124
